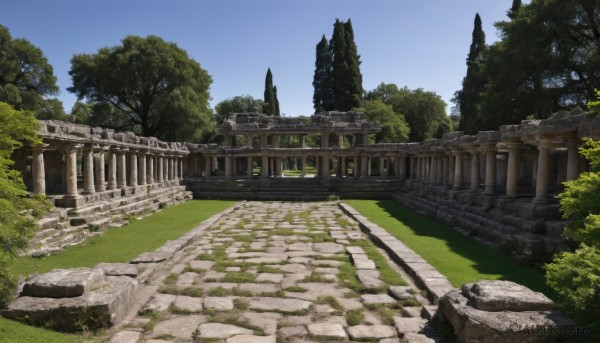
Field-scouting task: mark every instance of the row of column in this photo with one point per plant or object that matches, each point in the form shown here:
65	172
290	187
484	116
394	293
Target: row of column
144	168
447	169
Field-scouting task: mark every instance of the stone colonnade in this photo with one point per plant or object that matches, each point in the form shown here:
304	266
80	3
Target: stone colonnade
108	163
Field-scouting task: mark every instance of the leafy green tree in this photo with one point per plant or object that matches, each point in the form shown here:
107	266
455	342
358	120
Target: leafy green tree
548	60
17	226
237	104
26	78
575	276
347	79
383	92
394	128
151	83
81	112
425	113
323	96
473	83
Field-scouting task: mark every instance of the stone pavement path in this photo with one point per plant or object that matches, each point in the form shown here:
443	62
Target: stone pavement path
277	272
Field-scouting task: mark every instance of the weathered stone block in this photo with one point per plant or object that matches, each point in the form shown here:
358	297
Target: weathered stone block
61	283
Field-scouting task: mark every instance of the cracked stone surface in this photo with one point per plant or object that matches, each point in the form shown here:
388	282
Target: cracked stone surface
271	270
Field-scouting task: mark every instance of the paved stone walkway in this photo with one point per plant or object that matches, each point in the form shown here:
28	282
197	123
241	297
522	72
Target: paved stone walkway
277	272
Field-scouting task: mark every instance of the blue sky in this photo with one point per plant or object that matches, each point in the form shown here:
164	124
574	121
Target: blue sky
413	43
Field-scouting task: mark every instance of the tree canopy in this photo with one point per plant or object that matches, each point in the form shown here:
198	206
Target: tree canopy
394	128
151	84
337	80
237	104
423	111
547	60
271	103
27	79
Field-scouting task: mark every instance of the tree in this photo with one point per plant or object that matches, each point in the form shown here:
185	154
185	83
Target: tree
237	104
276	109
16	228
394	128
353	82
151	83
323	96
575	276
81	112
347	79
383	92
26	77
548	60
269	95
514	9
473	83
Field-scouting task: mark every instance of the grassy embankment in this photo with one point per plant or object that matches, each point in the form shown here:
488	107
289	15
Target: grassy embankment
115	245
461	259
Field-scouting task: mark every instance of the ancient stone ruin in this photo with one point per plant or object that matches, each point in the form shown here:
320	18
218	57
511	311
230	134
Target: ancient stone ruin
498	186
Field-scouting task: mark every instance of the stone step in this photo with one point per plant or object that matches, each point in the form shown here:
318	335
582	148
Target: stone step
47	223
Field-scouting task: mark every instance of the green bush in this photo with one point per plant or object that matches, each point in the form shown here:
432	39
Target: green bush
17	211
575	276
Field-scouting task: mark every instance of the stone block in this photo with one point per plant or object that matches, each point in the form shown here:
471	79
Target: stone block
489	295
118	269
61	283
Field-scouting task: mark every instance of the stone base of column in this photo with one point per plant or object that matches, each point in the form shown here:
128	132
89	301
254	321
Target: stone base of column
75	201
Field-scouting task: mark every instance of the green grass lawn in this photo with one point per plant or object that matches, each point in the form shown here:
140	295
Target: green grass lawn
115	245
460	258
125	243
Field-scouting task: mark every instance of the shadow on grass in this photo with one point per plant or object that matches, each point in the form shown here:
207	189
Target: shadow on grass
462	259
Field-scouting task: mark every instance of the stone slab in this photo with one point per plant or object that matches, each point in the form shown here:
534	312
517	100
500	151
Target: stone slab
329	248
61	283
218	330
406	325
219	303
188	304
158	303
332	330
269	277
151	257
126	337
361	332
118	269
180	327
278	304
499	295
251	339
375	299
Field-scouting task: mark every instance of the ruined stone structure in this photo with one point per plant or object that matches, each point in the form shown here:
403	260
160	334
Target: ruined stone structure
499	186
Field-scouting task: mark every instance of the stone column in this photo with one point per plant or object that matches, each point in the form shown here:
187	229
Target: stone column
419	168
440	170
364	166
71	169
401	168
512	170
356	164
176	169
572	159
88	170
264	140
433	170
382	167
302	141
112	170
543	170
121	170
142	167
413	167
279	166
180	168
228	167
249	171
165	168
38	171
451	162
160	166
207	166
474	170
445	177
171	160
458	170
326	172
490	170
150	169
344	166
133	172
264	168
303	173
99	170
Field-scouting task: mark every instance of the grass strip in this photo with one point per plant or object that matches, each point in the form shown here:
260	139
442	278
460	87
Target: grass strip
125	243
462	259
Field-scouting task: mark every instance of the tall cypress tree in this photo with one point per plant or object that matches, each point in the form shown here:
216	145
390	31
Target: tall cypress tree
473	83
340	68
323	96
512	13
269	95
276	102
353	82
